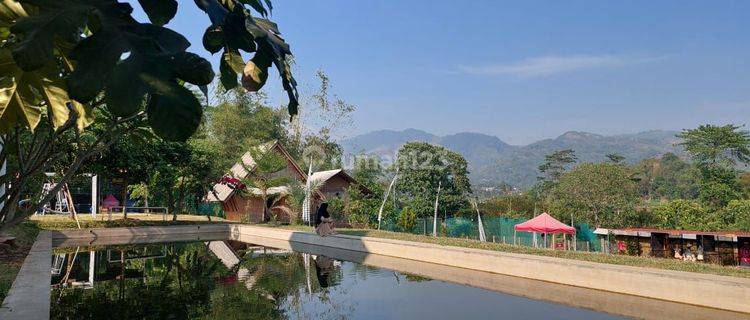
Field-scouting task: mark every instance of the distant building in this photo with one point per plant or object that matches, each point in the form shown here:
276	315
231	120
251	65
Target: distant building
248	206
721	247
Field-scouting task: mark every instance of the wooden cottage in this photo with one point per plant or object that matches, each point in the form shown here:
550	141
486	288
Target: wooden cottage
248	206
336	182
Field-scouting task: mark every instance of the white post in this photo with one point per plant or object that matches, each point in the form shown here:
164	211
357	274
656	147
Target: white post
434	220
390	186
480	225
94	195
92	265
307	202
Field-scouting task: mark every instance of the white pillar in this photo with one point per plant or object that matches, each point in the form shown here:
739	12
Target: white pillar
434	219
94	195
92	265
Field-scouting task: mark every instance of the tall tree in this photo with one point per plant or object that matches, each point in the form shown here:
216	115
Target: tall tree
600	193
556	163
321	124
667	177
553	167
237	122
422	166
716	150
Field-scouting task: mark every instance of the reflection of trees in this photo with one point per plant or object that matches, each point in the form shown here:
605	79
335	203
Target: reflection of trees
187	282
176	286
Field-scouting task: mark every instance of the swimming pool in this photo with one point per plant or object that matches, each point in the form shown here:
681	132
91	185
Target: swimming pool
235	280
216	272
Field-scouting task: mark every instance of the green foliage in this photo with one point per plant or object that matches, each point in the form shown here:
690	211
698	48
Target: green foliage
71	51
736	215
406	219
189	278
744	182
362	209
337	208
683	214
716	150
422	166
238	121
556	163
159	11
716	193
668	177
603	193
139	191
717	146
264	175
513	206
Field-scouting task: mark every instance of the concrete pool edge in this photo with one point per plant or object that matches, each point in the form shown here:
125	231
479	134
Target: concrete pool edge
29	298
712	291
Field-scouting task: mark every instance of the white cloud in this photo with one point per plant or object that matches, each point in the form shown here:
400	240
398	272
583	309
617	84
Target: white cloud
547	65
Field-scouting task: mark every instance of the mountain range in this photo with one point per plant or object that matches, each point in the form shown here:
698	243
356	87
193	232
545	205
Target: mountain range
492	161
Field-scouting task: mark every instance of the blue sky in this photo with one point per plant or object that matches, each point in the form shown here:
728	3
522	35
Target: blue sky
523	70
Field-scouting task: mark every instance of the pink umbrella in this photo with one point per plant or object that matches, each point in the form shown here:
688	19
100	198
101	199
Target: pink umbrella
110	201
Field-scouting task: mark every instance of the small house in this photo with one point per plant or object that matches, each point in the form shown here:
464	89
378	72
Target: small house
248	206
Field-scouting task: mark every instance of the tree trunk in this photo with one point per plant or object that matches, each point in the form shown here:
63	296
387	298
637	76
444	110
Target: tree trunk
125	198
264	198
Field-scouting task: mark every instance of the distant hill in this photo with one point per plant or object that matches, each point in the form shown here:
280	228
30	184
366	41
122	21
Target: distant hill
492	161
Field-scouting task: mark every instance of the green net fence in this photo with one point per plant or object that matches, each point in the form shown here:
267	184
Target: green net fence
496	229
213	209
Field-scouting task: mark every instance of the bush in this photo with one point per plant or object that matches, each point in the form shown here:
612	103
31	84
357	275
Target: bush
736	215
406	219
336	208
684	214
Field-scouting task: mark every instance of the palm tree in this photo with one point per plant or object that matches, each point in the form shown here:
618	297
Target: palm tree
295	198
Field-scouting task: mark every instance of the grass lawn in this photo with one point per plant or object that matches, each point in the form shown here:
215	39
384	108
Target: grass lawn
666	264
12	258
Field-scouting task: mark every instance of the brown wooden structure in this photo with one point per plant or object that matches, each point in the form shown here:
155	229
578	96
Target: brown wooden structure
248	208
720	247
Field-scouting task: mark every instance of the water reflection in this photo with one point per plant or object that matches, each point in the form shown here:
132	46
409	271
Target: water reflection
235	280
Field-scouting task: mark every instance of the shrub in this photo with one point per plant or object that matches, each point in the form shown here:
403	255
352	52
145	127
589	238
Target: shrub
406	219
736	215
683	214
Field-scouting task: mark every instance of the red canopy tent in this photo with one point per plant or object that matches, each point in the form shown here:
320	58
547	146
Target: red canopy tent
110	201
544	223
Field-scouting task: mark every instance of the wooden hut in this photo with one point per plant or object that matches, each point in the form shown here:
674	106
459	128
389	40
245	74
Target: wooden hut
248	206
720	247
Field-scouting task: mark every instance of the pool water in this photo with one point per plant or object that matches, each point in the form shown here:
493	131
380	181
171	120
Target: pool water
234	280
